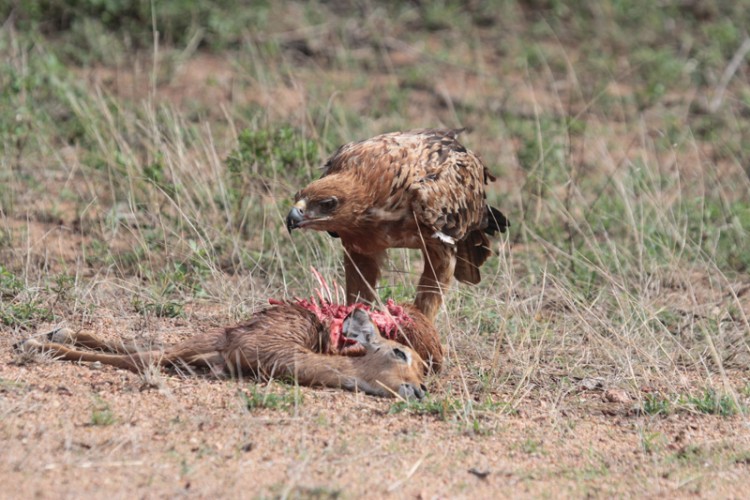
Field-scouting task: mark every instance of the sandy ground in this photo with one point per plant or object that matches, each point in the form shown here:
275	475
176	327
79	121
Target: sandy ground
72	430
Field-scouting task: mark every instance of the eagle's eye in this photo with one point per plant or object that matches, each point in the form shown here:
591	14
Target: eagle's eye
328	204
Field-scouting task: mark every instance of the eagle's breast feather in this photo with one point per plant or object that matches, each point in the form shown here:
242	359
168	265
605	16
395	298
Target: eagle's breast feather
427	175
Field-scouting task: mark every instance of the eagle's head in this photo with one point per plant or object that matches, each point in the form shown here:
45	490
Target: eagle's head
328	204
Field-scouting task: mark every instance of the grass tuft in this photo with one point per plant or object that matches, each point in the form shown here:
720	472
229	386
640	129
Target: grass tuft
102	414
255	399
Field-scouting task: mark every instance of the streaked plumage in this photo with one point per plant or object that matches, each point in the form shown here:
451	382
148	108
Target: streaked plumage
419	189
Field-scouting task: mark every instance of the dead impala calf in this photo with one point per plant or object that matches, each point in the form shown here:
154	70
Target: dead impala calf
281	341
400	322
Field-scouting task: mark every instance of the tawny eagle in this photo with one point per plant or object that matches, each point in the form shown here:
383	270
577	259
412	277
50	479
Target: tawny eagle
418	189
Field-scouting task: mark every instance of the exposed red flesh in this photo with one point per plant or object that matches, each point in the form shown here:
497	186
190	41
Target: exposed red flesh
388	321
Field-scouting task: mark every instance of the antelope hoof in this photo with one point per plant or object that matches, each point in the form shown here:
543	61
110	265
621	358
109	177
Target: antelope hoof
61	336
29	345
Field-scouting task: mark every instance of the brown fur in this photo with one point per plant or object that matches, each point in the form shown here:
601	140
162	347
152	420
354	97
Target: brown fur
281	341
422	336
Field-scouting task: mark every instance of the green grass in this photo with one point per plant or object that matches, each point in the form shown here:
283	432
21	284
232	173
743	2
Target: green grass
713	403
654	404
709	402
102	414
257	399
442	409
266	160
21	306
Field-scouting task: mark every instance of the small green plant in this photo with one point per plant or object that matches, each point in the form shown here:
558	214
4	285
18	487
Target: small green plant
180	277
18	308
477	428
441	408
63	286
652	442
709	402
10	285
532	446
713	403
691	453
256	399
660	70
656	404
155	173
161	308
24	313
101	414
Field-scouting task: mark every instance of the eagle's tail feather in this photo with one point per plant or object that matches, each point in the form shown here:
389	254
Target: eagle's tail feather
496	221
474	249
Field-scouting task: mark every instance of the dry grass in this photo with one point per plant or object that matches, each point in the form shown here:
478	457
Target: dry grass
142	193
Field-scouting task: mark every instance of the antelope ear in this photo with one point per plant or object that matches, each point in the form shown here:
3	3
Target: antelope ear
359	326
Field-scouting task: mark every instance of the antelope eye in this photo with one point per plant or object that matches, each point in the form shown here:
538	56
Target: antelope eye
329	203
401	355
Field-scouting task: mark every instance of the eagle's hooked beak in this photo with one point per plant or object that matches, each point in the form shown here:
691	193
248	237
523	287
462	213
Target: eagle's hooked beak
295	216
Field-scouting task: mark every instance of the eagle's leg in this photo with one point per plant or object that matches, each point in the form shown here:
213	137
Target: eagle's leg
362	275
439	264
